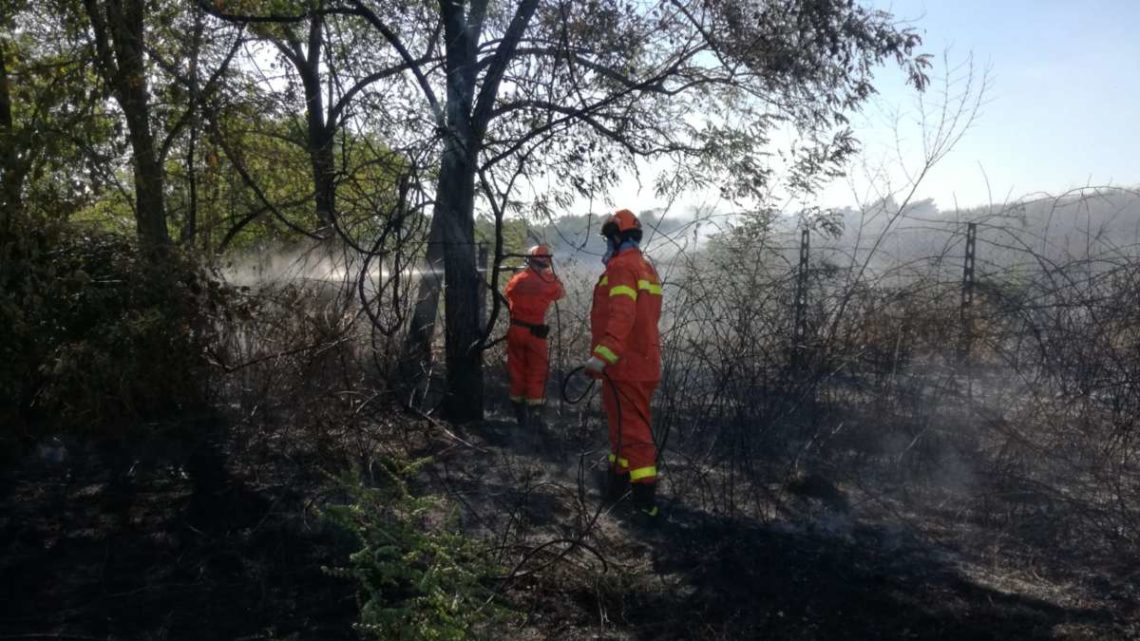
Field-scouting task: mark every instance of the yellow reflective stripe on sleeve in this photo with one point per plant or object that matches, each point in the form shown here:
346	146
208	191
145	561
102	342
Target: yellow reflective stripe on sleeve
605	280
606	353
623	290
624	462
652	288
642	473
536	401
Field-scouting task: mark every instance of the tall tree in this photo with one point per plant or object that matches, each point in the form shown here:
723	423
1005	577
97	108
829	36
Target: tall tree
119	38
330	64
193	77
320	130
590	87
574	94
462	119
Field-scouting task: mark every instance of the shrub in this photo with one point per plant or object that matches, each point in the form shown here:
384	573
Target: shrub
98	337
418	578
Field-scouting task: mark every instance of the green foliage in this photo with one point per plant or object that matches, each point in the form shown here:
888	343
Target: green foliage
514	235
229	215
98	337
418	578
279	166
53	129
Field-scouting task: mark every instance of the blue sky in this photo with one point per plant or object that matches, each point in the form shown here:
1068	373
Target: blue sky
1061	109
1063	105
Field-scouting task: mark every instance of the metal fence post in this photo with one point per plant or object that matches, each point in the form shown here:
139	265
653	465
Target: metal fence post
800	329
966	311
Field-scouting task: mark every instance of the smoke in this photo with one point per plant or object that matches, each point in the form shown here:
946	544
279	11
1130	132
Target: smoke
319	264
277	266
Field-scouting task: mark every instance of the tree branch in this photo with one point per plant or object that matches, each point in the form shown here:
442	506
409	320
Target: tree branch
498	65
213	7
168	142
370	16
103	58
235	160
360	85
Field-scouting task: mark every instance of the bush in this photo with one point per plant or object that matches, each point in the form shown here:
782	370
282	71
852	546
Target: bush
100	337
418	578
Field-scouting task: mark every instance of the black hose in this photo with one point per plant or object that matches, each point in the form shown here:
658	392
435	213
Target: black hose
583	395
658	445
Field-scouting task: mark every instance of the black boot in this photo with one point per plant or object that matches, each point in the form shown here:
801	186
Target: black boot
535	416
645	503
520	413
616	485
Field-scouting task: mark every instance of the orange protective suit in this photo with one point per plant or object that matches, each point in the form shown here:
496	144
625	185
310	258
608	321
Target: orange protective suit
529	293
623	322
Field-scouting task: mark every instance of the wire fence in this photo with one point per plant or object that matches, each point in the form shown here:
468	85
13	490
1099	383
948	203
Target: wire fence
987	361
977	357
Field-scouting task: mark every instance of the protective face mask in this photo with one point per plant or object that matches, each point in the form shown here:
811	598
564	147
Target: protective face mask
612	248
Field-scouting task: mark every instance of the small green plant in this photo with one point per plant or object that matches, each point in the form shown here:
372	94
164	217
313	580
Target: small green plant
418	577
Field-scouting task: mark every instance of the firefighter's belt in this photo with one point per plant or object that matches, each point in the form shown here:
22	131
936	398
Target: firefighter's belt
539	330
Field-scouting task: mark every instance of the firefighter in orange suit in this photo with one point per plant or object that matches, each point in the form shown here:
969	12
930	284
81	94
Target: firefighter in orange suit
529	294
627	358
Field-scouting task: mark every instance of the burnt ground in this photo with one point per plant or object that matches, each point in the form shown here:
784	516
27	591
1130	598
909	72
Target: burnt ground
84	557
79	560
818	569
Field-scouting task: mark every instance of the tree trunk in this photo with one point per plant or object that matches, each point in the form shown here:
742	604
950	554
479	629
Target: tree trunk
451	251
324	175
452	236
131	90
320	132
12	179
453	218
415	358
150	202
455	209
190	226
119	43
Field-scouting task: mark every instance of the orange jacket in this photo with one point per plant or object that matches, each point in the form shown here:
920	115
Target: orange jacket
623	319
530	292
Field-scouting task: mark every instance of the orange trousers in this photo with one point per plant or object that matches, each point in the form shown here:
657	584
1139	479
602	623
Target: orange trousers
631	442
528	362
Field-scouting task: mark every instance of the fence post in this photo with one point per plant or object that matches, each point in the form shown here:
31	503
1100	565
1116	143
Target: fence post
799	331
966	312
